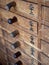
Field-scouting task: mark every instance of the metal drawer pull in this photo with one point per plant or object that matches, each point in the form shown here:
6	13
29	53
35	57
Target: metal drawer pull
14	33
18	63
15	45
14	19
17	54
9	5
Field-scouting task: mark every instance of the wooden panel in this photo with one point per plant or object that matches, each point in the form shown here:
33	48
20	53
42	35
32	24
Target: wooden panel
45	15
45	2
45	46
28	9
45	33
27	24
44	59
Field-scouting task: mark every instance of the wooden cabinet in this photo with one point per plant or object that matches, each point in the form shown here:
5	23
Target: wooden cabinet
24	29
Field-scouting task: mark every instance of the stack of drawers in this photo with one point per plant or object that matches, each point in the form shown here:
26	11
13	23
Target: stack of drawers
24	32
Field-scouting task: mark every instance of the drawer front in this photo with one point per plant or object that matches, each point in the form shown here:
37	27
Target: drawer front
45	47
23	36
26	8
44	59
24	49
24	57
45	33
27	24
45	15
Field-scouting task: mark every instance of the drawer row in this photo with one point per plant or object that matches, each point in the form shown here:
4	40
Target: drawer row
26	25
27	53
29	10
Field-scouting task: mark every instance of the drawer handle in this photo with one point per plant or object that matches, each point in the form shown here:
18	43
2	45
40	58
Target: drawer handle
14	19
14	33
9	5
15	45
17	54
18	63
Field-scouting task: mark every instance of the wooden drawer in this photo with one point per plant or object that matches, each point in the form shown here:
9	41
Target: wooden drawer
44	59
45	15
23	47
23	60
45	47
27	24
27	9
23	57
45	33
23	35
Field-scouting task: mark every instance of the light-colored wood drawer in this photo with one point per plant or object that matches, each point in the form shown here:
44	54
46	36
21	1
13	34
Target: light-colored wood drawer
26	52
26	49
45	2
27	9
31	39
45	15
23	57
44	59
23	47
45	47
45	33
23	35
27	24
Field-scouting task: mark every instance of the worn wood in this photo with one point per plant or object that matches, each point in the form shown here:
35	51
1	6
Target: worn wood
39	17
24	8
21	21
45	15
